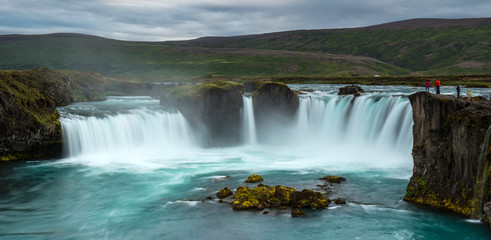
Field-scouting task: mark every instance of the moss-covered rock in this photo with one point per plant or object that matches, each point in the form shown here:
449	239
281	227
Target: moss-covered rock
254	178
333	179
29	125
297	212
310	199
259	197
225	192
284	194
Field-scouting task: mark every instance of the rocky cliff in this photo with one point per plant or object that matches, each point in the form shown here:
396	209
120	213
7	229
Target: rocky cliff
212	109
450	167
275	107
29	126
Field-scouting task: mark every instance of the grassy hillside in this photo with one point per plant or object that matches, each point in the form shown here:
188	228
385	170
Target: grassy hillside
423	47
432	45
158	60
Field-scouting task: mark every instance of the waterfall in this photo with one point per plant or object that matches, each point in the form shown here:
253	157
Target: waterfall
371	120
374	128
248	122
148	130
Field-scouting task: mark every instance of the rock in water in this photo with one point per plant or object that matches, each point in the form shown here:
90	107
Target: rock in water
447	135
339	201
254	178
225	192
309	198
487	211
297	212
212	109
334	179
275	107
275	99
353	89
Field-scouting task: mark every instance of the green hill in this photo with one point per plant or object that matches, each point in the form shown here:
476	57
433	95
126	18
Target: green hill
425	46
437	46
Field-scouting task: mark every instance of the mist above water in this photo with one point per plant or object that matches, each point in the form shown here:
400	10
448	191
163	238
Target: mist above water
329	132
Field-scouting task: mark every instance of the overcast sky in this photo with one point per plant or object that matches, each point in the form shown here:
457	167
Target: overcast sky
155	20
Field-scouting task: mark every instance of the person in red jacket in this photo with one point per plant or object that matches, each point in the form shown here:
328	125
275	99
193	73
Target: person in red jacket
437	86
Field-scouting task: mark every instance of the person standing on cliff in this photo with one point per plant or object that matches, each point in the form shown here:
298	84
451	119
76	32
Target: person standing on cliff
469	95
458	91
428	85
437	85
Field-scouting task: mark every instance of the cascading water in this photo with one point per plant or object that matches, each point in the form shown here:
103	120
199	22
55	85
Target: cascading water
375	125
248	122
139	128
363	130
131	135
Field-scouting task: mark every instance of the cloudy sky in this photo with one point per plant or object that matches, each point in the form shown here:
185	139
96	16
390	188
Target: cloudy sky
155	20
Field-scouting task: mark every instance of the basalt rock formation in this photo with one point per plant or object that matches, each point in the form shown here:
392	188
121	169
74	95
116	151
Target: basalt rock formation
275	106
29	125
353	89
451	168
212	109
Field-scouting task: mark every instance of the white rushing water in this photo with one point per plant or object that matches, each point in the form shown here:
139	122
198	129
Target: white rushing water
330	131
248	122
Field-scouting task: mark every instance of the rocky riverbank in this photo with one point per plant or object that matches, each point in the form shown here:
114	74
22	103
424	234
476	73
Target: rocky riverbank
451	170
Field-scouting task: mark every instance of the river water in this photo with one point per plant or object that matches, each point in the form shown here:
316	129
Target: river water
134	171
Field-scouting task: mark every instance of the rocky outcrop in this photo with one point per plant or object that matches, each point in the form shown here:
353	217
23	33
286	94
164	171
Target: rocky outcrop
275	100
254	178
252	85
449	172
275	107
29	125
212	109
280	197
353	89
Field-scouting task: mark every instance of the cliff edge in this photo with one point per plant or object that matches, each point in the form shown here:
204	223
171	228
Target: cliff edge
451	168
29	125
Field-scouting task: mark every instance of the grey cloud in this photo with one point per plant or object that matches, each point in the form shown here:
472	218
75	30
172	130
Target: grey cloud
167	20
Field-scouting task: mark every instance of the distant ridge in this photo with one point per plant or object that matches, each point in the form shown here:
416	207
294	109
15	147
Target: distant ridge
404	24
417	46
433	23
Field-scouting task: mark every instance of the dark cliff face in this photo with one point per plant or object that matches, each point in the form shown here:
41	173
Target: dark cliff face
448	169
275	106
29	125
212	109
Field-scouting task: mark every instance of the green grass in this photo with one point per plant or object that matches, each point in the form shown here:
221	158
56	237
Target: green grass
417	49
386	52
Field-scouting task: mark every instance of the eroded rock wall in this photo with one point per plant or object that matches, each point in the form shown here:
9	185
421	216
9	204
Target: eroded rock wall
448	137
